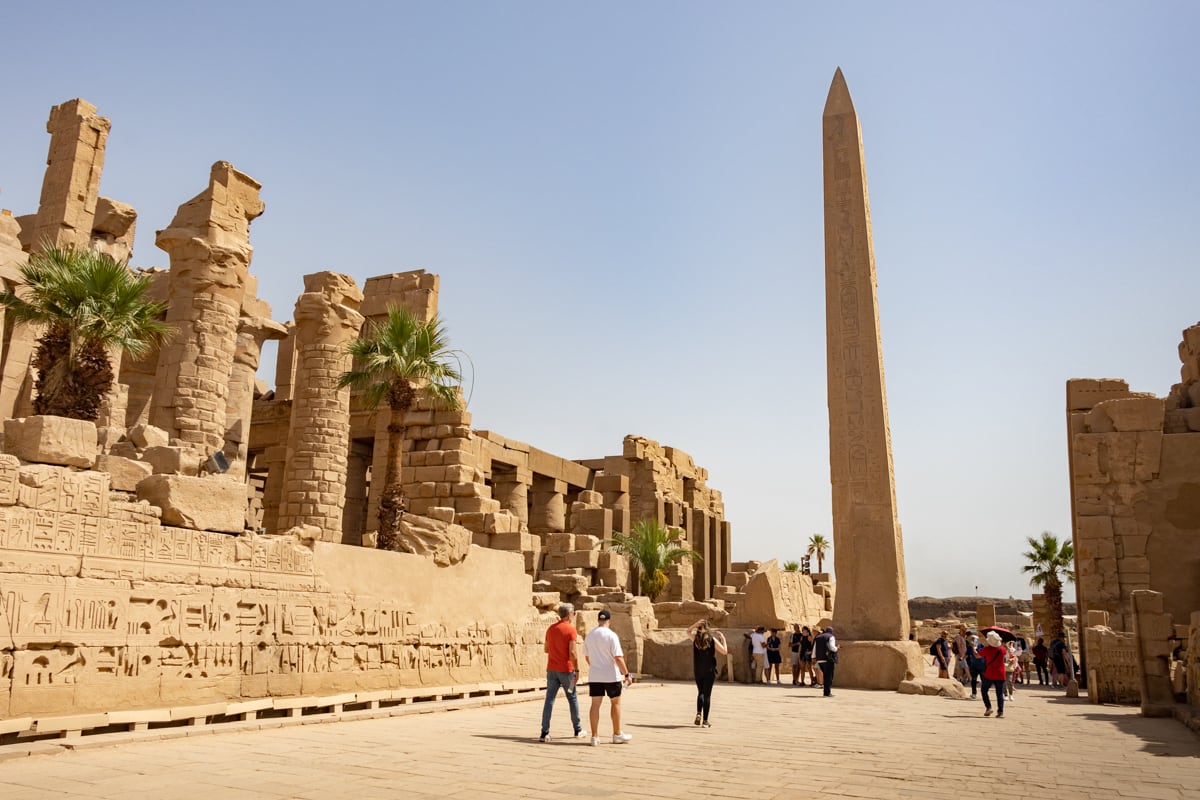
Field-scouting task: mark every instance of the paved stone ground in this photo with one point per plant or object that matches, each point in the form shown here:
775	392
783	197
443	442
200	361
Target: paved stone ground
766	742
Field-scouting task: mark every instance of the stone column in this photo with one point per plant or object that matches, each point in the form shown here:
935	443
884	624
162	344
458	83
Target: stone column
548	505
314	485
67	209
511	488
16	382
252	332
209	245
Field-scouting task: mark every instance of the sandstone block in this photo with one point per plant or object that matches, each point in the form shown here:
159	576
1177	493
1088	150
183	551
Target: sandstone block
591	498
567	583
169	460
1135	413
583	559
941	687
554	561
484	504
203	504
148	436
52	440
559	542
126	473
444	543
442	514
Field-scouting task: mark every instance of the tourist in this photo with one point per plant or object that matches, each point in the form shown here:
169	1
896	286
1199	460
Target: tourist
794	640
806	657
758	653
993	673
705	646
562	669
1024	659
1040	654
825	654
960	656
940	650
607	674
1012	669
774	655
1059	655
975	664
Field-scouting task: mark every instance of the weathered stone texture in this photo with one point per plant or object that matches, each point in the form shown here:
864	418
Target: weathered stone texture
51	440
203	504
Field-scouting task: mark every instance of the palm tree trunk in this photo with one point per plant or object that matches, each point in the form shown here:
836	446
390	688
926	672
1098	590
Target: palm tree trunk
391	500
820	562
1054	607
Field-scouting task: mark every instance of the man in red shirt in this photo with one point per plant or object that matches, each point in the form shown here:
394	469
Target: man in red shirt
562	669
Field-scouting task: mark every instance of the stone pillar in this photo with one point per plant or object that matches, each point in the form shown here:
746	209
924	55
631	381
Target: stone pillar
16	379
511	487
70	189
872	596
275	460
1152	630
615	489
701	535
548	505
252	332
209	245
314	486
985	615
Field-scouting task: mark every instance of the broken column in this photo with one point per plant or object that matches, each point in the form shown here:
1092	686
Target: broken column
871	607
209	245
70	189
314	483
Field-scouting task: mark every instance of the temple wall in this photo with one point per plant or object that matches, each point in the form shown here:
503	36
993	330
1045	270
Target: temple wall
1135	491
103	607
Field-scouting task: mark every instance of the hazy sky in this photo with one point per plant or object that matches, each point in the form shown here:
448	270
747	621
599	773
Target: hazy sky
624	203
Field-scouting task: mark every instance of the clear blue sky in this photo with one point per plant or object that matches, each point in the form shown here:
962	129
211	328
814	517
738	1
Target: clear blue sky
624	203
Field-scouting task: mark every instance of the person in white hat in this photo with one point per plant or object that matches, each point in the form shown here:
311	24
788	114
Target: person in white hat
993	654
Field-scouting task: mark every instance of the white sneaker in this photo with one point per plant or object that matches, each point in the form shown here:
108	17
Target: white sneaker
581	734
595	741
622	738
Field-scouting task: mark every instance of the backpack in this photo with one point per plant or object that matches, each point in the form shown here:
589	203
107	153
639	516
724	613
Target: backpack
933	648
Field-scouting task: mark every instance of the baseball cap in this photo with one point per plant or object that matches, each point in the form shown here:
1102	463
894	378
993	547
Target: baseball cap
604	614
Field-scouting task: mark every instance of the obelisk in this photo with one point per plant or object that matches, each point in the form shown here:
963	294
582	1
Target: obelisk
871	598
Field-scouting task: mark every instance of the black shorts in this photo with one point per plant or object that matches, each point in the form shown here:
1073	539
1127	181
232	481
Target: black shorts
604	689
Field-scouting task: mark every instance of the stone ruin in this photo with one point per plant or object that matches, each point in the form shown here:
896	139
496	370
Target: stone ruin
201	545
1135	502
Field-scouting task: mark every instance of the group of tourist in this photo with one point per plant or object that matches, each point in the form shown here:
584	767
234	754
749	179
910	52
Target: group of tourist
608	674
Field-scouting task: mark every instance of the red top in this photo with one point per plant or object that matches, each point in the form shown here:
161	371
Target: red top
558	646
993	659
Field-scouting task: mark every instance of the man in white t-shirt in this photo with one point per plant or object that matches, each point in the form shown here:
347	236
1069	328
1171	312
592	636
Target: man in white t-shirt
758	653
607	675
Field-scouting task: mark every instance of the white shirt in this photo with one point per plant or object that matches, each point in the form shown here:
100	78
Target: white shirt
759	643
602	647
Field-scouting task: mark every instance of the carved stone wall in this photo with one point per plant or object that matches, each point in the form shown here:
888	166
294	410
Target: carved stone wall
103	607
1135	491
1114	673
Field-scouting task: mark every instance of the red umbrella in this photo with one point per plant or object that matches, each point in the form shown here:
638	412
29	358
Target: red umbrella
1005	634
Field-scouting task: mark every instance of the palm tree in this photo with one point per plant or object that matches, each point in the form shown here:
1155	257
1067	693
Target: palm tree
1050	562
818	545
395	359
651	549
91	307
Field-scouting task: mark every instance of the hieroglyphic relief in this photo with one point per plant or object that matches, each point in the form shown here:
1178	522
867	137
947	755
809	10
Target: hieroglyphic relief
1113	672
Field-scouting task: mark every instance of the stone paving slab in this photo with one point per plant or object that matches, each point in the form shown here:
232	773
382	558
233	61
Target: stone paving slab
766	743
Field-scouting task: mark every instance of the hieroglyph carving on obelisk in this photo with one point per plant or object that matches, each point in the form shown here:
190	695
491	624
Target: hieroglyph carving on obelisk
872	595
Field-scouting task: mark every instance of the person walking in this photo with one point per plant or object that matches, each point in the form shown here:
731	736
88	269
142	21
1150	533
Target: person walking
794	644
825	654
774	655
993	673
806	654
758	654
705	646
961	672
1040	654
1060	657
975	664
940	650
607	675
562	669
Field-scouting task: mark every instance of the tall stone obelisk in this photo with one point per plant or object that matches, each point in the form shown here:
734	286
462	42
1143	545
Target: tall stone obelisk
871	600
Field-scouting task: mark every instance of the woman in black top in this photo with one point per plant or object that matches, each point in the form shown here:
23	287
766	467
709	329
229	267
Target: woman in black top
705	646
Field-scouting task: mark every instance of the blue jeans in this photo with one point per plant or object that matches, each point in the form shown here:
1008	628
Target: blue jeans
988	683
567	681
